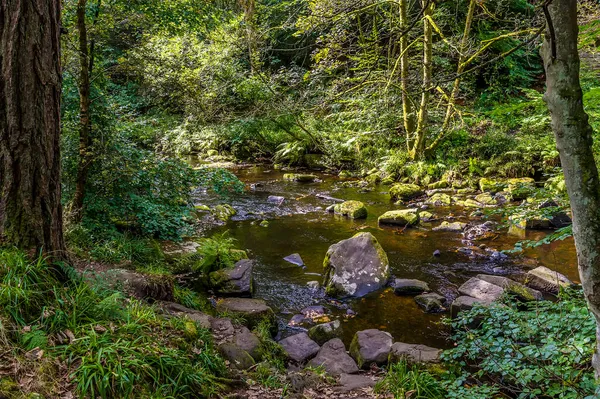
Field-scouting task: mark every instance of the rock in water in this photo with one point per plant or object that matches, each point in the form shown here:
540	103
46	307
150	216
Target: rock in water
234	281
224	212
371	346
481	289
544	279
414	353
322	333
405	192
300	178
450	226
404	217
299	347
463	303
334	359
404	286
431	303
355	266
351	209
294	259
274	199
513	287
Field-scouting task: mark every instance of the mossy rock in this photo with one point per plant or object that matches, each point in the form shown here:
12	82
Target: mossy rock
224	212
491	185
237	357
425	216
373	179
388	181
438	185
403	217
212	153
440	199
237	255
530	222
486	199
521	188
405	192
300	178
322	333
264	223
470	203
201	207
351	209
252	311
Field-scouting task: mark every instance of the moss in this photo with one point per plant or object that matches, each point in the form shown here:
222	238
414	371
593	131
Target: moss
224	212
355	352
352	209
404	217
405	192
491	185
300	178
440	199
438	185
485	199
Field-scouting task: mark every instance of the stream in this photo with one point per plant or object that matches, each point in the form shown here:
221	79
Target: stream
301	225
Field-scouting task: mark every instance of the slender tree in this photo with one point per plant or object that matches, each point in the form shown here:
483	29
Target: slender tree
30	90
573	135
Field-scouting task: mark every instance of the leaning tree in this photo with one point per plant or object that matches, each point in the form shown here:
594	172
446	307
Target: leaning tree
30	90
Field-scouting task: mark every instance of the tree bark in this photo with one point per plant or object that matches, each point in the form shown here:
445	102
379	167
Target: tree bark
30	90
573	135
85	122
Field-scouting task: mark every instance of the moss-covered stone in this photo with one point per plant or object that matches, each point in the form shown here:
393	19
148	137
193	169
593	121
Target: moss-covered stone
470	203
212	153
403	217
486	199
438	184
440	199
224	212
492	185
252	311
345	174
521	188
201	207
300	178
322	333
425	216
351	209
405	192
373	179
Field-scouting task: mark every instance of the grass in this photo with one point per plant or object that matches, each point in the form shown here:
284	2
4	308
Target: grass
113	347
404	381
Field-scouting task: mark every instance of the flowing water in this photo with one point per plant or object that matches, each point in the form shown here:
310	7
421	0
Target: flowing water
301	225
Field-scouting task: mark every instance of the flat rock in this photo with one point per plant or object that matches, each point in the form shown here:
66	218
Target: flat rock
403	217
294	259
234	281
405	286
414	353
450	226
175	309
334	358
352	382
371	346
355	267
522	292
252	310
237	357
431	302
547	280
465	303
299	347
274	199
481	289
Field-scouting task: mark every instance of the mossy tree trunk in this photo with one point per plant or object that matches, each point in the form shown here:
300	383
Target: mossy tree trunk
573	135
30	90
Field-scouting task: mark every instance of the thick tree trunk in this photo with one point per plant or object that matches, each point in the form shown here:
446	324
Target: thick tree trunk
30	90
574	142
84	114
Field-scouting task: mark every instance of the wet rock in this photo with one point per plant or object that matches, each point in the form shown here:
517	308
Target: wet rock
264	223
334	358
298	320
252	310
314	312
330	208
322	333
249	342
491	185
371	346
224	212
175	309
404	217
274	199
405	192
463	303
352	382
355	266
438	184
450	226
431	303
440	199
425	216
530	222
294	259
522	292
437	253
414	353
299	347
237	357
470	203
559	218
314	285
486	199
234	281
201	207
547	280
481	289
479	232
300	178
351	209
404	286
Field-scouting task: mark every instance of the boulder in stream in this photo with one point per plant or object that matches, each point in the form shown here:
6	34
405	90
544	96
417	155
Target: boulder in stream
547	280
405	192
403	217
334	359
300	178
299	347
481	289
294	259
431	302
355	267
456	227
351	209
322	333
275	199
440	199
371	346
407	286
512	287
414	353
224	212
234	281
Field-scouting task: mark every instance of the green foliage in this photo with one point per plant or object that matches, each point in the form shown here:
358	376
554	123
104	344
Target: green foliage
405	381
216	253
544	350
114	348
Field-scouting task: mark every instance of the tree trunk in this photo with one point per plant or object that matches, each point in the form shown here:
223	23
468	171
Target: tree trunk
574	142
422	120
249	7
84	114
407	108
30	90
